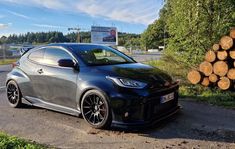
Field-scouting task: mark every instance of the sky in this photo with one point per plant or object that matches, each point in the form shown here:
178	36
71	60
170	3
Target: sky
22	16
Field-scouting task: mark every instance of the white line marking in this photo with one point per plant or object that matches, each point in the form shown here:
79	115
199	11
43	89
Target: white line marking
2	87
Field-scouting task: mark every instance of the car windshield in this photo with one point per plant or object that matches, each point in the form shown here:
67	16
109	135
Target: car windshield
94	55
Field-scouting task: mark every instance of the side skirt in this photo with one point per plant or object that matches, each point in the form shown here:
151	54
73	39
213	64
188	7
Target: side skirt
42	104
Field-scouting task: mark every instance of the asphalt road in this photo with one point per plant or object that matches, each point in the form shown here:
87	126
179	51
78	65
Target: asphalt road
4	69
196	126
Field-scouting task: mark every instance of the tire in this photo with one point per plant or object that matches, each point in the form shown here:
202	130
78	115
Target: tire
96	110
14	95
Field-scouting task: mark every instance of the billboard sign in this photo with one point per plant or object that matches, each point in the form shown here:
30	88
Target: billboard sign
104	35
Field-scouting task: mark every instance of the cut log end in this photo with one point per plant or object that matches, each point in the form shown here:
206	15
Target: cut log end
220	68
206	68
224	83
213	78
222	55
232	33
194	77
210	56
232	53
226	42
231	74
216	47
205	81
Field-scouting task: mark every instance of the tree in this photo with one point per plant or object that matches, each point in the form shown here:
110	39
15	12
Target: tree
156	33
194	25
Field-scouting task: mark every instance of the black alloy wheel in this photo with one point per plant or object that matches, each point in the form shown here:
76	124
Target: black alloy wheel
95	109
13	94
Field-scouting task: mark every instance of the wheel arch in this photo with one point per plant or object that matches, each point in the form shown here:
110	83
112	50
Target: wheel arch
89	89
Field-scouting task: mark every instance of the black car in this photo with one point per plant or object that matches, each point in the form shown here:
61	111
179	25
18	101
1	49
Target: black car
101	83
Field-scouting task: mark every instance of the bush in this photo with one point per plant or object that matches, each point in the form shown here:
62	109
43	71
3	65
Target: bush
11	142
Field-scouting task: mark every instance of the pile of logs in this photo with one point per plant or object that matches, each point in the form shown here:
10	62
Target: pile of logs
218	68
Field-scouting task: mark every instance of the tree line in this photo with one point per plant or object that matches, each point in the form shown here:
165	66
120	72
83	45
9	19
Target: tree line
125	39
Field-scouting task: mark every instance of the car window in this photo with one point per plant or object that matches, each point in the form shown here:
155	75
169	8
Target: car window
100	55
37	55
53	55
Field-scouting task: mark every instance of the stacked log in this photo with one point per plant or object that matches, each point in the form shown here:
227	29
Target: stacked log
218	68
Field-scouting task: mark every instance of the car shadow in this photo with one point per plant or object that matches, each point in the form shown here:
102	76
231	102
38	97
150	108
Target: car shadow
27	106
173	127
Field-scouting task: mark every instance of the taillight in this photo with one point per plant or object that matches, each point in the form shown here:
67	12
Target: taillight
13	64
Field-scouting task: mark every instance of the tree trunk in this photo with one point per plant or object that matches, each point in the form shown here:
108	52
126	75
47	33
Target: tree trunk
222	55
220	68
231	74
213	78
216	47
224	83
194	76
232	33
226	42
206	68
210	56
205	81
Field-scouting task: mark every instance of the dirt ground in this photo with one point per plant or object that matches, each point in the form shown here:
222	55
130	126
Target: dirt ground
196	126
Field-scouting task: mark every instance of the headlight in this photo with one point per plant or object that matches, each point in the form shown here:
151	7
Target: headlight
128	83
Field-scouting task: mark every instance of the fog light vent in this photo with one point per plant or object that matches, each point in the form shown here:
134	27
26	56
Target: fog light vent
126	114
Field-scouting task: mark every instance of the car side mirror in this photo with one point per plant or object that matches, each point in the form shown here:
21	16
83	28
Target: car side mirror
66	63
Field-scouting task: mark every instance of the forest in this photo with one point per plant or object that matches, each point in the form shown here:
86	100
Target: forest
125	39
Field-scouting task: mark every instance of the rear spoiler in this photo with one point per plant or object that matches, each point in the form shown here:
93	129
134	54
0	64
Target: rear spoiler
24	50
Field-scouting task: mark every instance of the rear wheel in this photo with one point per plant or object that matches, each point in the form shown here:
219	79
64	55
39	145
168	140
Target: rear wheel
96	110
13	94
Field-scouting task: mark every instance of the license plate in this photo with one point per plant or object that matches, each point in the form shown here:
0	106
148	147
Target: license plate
167	98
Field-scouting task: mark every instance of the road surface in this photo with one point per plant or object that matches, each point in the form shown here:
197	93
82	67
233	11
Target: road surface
196	126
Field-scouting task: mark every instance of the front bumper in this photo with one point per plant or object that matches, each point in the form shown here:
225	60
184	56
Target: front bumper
141	108
162	117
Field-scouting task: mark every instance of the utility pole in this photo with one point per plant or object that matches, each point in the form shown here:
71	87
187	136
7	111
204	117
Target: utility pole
78	32
164	32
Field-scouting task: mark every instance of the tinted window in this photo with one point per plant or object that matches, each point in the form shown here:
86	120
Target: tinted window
100	55
53	55
37	55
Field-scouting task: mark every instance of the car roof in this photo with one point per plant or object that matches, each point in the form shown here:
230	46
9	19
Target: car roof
73	44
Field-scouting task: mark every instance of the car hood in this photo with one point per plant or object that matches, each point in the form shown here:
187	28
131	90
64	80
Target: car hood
139	72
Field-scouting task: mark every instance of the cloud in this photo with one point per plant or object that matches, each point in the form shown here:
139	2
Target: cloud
2	16
48	26
140	12
50	4
18	14
5	26
130	11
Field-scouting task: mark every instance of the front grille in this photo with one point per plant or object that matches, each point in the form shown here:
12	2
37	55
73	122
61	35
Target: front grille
155	109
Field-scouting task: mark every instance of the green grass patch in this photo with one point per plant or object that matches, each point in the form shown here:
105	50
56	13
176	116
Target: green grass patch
12	142
209	95
212	96
7	61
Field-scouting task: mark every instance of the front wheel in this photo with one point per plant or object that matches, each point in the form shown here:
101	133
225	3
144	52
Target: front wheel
96	110
13	94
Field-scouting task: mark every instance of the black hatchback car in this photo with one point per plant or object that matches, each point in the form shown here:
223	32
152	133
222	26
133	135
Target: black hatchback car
101	83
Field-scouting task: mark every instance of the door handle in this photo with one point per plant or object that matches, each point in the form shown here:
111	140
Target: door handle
40	71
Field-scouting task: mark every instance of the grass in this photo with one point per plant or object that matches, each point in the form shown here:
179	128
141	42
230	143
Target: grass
209	95
212	96
7	61
12	142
